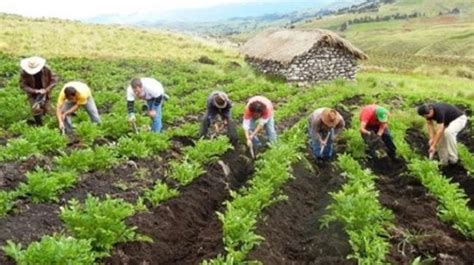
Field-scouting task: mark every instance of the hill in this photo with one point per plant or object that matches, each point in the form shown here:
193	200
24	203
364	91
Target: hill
55	37
441	33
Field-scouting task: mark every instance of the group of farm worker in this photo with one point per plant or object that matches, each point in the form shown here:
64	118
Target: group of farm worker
324	124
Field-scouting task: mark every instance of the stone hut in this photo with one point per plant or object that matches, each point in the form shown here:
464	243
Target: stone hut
303	56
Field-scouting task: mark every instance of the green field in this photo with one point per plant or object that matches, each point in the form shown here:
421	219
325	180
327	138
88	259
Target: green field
108	194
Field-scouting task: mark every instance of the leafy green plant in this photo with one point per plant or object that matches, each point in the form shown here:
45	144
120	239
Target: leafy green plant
467	158
155	142
7	200
363	217
207	151
101	157
128	147
55	250
18	149
186	171
44	186
453	203
160	192
88	132
101	222
45	139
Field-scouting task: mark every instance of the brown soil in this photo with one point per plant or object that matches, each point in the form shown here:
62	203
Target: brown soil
418	231
419	142
291	228
12	173
186	229
29	225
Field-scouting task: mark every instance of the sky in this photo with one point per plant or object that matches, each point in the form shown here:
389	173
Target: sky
90	8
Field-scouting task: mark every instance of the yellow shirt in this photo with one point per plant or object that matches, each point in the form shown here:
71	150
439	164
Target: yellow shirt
82	90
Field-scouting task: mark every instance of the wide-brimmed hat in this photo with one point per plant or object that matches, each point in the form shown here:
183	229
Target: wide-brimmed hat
330	118
382	114
222	96
32	65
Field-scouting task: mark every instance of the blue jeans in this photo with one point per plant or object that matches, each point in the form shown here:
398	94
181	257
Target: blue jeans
91	110
269	128
156	121
315	145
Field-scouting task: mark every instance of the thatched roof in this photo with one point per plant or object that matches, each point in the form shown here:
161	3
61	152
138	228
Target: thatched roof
282	45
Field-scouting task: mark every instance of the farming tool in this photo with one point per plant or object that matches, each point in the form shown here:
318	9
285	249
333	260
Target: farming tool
134	125
252	152
324	146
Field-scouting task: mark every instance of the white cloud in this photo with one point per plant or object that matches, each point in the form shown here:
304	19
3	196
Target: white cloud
88	8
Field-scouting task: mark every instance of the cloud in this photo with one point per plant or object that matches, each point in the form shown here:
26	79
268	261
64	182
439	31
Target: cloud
88	8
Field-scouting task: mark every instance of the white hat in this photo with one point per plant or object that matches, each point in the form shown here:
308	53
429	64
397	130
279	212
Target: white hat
32	65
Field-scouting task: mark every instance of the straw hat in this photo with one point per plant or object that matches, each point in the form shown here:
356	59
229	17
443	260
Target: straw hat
330	118
32	65
222	96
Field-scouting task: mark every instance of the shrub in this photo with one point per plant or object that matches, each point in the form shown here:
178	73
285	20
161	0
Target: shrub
56	250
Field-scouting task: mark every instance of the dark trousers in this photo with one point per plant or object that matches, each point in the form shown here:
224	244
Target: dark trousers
386	139
209	117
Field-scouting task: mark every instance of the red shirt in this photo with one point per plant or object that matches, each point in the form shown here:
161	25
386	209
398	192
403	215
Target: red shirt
367	114
266	114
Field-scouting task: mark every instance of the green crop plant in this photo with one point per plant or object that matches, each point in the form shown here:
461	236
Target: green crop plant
160	192
45	139
55	250
155	142
131	148
44	186
100	221
115	125
185	130
88	132
363	217
243	210
7	201
467	159
186	171
207	151
101	157
453	202
17	149
354	142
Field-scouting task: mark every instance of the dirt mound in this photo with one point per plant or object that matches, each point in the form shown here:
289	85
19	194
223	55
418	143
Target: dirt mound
29	225
291	228
186	229
418	232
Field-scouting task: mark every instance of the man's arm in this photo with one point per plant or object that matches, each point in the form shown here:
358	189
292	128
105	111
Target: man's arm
25	86
59	115
438	135
430	129
381	129
53	82
363	126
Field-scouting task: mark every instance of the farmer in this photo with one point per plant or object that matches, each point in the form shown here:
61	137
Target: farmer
218	103
74	95
258	115
373	126
152	91
324	124
37	80
450	121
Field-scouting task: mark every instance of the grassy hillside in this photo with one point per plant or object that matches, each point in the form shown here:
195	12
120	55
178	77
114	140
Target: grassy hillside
51	37
436	38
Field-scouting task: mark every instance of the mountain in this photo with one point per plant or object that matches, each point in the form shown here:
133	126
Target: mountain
217	13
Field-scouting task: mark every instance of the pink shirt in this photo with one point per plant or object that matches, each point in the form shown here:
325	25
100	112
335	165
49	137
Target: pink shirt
266	115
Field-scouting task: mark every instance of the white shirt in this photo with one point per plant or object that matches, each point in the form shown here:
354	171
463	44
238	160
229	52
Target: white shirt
151	89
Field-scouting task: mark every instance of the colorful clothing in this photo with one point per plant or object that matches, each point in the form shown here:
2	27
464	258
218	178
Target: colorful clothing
266	115
83	93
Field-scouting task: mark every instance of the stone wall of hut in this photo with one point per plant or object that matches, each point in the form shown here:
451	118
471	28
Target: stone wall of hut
321	63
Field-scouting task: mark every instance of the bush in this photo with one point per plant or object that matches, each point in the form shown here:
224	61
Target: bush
54	250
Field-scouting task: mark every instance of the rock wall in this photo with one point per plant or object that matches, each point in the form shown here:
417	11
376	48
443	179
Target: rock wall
321	63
